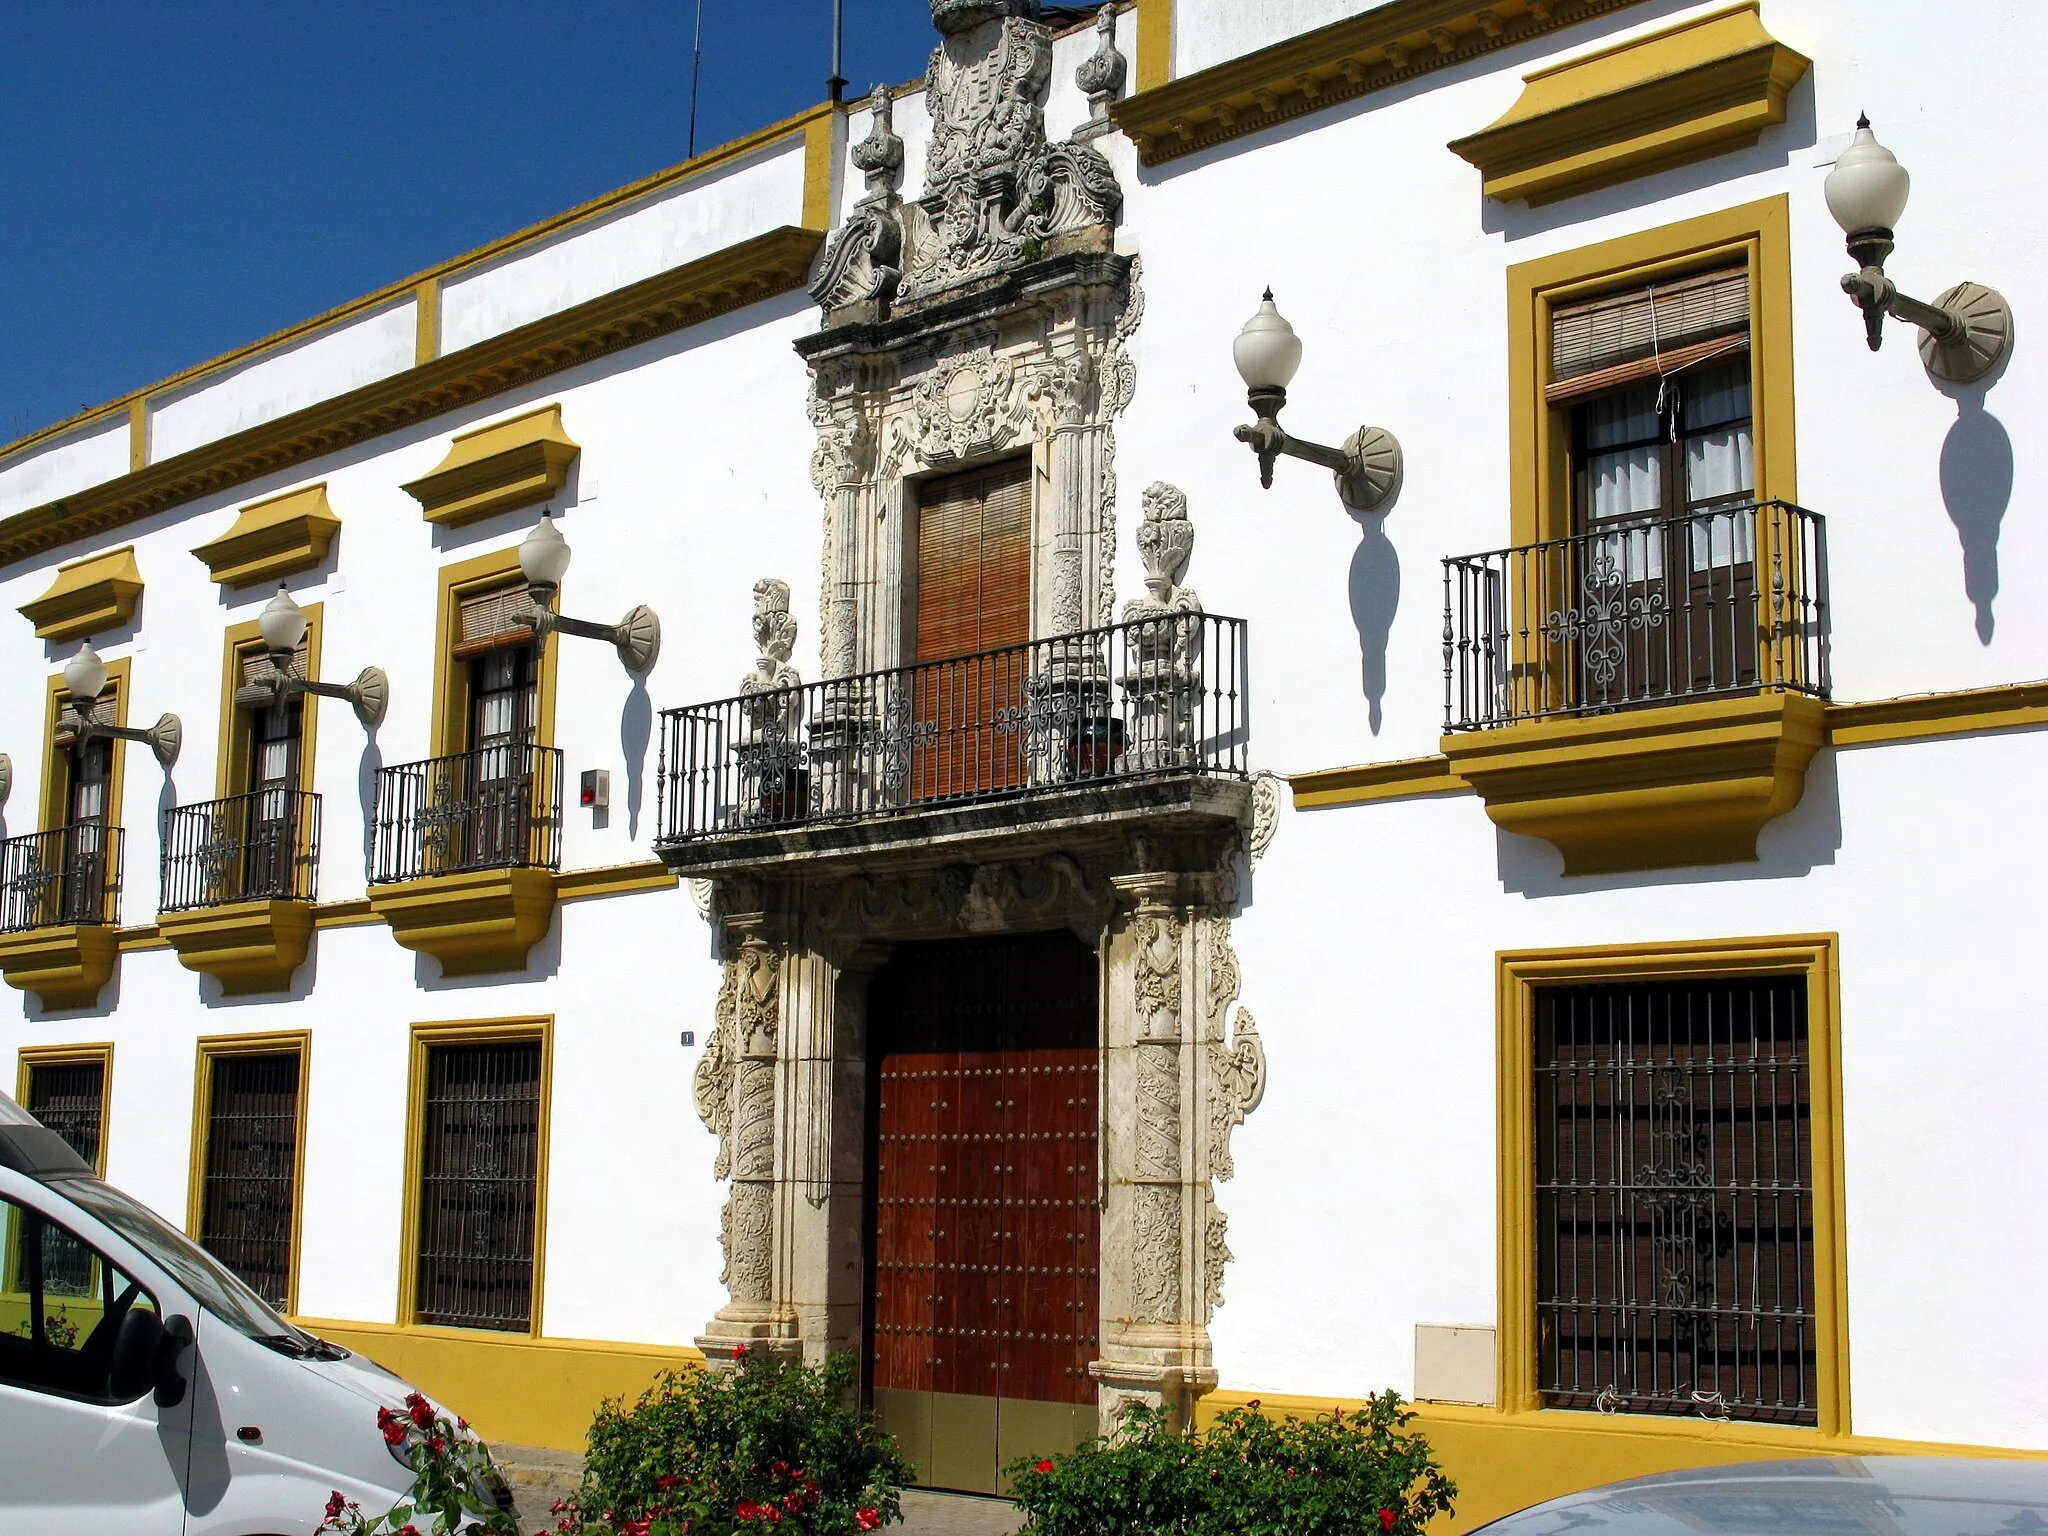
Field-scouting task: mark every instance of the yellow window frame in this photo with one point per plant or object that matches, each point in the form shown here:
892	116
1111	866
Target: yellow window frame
1519	973
212	1048
539	1027
231	765
469	578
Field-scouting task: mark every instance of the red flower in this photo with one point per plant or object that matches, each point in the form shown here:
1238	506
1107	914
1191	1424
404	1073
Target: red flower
739	1351
746	1509
867	1517
421	1410
461	1422
1043	1466
1253	1405
438	1446
335	1504
1386	1519
666	1481
392	1426
408	1529
774	1515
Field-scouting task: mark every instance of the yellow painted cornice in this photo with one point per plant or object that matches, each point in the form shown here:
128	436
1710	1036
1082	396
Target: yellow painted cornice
518	462
1707	86
814	124
475	923
1874	722
760	268
273	538
89	597
1388	45
64	967
615	880
249	947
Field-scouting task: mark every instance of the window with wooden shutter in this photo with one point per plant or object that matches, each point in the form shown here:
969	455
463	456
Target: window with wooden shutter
1646	332
973	599
489	621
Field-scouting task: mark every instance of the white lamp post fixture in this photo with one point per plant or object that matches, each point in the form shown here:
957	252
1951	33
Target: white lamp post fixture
6	777
282	623
1966	330
543	561
85	677
1267	353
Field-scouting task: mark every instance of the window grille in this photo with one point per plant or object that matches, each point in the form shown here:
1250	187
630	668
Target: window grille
1674	1199
67	1097
251	1155
479	1173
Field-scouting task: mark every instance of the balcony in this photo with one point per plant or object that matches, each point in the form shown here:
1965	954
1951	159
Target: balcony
465	852
1647	695
238	882
59	899
1147	719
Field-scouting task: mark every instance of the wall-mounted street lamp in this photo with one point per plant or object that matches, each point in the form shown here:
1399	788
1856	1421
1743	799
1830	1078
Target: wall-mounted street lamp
1966	330
1267	353
85	677
543	561
282	623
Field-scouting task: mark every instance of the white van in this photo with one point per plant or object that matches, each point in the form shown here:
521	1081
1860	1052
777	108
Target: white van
146	1390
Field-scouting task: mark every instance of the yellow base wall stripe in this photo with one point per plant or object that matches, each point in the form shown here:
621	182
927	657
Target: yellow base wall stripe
1503	1462
524	1391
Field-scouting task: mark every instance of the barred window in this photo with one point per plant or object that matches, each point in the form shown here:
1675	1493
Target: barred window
1674	1199
252	1132
69	1097
479	1174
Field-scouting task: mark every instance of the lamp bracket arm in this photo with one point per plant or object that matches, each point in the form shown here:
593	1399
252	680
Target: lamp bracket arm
585	628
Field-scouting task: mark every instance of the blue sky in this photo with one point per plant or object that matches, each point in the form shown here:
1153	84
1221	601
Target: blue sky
178	177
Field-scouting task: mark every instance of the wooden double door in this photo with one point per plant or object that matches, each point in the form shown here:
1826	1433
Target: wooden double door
985	1229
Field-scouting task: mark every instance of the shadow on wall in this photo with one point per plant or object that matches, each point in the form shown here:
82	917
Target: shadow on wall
636	729
1375	589
1808	835
367	768
1976	488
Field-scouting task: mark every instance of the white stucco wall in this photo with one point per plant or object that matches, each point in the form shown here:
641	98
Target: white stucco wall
1207	32
329	363
1364	1199
754	194
71	463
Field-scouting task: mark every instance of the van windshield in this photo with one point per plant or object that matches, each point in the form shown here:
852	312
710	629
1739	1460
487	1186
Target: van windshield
211	1285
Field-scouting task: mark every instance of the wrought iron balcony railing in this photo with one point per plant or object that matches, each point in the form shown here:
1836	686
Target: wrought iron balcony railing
492	808
1156	696
71	875
1730	601
261	846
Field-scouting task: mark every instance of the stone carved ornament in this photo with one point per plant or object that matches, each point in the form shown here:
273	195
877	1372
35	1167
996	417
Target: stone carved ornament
1101	76
995	189
1156	976
711	1087
960	899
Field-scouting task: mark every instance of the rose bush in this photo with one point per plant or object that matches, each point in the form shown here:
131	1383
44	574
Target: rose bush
768	1446
450	1464
1246	1474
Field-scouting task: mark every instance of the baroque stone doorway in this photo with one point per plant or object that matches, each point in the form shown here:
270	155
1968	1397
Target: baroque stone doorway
984	1214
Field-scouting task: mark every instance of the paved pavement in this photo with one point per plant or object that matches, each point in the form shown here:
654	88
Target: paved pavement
539	1477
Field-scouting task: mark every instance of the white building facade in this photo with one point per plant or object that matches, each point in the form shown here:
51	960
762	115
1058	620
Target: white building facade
1609	795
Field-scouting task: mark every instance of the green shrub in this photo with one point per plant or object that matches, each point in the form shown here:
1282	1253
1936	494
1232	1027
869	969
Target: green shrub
1337	1474
769	1446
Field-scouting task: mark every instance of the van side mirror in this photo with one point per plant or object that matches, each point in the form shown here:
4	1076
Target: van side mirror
170	1350
132	1370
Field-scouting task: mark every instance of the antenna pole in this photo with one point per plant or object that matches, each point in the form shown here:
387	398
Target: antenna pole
696	60
835	87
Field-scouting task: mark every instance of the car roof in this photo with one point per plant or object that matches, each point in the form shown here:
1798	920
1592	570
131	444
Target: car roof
1829	1495
28	1146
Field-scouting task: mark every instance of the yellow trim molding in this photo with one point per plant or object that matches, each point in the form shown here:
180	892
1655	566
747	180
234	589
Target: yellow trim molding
1704	87
476	923
615	880
212	1048
759	268
135	405
450	720
1503	1462
248	947
29	1057
356	912
518	462
425	1037
273	538
1520	972
526	1391
1155	44
1875	722
89	597
1650	788
1386	45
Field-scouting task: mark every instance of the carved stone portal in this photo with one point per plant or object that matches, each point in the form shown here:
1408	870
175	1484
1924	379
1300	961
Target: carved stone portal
783	1081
